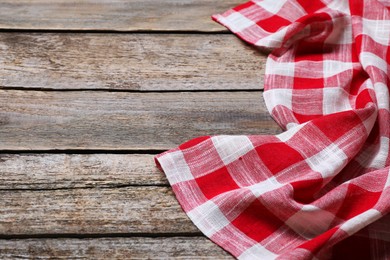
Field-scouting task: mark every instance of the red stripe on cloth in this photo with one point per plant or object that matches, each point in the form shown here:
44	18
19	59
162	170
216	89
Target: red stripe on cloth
273	23
270	154
244	6
193	142
311	6
215	183
257	217
323	185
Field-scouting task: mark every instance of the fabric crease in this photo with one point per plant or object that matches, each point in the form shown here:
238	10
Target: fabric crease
323	184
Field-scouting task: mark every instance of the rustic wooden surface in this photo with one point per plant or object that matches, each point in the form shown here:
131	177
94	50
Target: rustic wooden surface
72	171
134	210
129	62
84	108
38	120
113	248
118	15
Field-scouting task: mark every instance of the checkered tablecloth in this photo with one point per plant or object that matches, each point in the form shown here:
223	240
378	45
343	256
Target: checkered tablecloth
321	189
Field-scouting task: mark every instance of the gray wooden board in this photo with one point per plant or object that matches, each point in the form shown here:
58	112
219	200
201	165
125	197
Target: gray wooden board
127	210
128	62
113	205
112	248
61	171
118	15
39	120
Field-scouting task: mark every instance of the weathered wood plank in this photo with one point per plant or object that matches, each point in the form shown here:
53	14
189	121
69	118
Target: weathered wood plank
113	248
38	120
59	171
135	210
128	62
118	15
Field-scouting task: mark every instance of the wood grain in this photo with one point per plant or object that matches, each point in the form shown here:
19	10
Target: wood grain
70	171
113	206
134	210
38	120
113	248
118	15
128	62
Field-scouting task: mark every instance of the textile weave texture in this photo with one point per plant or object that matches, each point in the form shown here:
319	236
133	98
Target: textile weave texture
320	189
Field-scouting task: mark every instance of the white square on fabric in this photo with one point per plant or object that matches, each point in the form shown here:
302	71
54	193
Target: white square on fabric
380	158
328	162
274	40
340	6
341	34
378	30
257	252
382	95
292	130
276	97
360	221
388	180
230	148
334	67
237	22
310	221
175	167
370	59
271	5
208	218
370	121
269	184
335	100
385	2
279	68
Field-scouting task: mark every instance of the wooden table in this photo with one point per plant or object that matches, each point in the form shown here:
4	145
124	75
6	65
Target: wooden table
90	91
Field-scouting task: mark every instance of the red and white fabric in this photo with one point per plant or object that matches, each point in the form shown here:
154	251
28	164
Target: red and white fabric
321	189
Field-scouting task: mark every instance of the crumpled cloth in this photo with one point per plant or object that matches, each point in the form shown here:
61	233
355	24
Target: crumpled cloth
320	189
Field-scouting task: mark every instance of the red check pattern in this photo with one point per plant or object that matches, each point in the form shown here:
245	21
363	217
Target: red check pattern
321	189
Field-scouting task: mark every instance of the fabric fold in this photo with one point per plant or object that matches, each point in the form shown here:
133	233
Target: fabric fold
323	184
